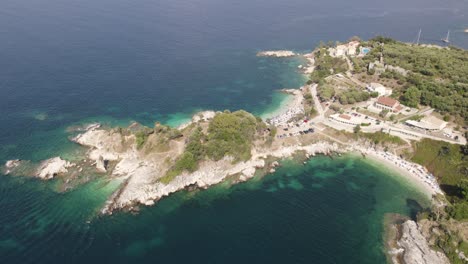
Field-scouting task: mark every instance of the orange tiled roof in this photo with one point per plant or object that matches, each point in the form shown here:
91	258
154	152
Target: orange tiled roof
347	117
387	101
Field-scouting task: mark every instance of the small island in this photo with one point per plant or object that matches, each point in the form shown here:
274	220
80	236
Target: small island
401	104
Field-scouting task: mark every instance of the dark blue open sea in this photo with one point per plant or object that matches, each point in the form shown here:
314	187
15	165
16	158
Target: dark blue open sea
64	63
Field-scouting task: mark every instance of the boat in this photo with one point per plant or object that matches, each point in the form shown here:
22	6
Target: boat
446	39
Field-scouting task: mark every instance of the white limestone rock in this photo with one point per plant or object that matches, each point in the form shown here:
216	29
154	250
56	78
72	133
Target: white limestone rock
11	165
100	164
416	250
50	168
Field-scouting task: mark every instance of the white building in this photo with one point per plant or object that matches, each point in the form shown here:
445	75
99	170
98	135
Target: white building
379	88
387	103
345	119
348	49
429	123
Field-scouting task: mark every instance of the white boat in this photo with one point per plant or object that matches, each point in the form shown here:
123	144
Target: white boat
446	39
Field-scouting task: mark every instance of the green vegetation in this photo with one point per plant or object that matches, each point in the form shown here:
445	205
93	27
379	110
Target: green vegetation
383	113
415	117
448	243
188	161
438	76
326	65
325	91
382	138
229	134
141	136
449	163
309	106
446	161
412	97
357	129
167	131
353	96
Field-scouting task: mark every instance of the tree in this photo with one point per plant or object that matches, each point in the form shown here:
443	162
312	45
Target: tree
463	186
357	129
444	150
355	38
464	149
383	113
412	97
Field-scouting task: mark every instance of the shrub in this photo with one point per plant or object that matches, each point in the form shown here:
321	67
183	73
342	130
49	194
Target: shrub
231	134
141	137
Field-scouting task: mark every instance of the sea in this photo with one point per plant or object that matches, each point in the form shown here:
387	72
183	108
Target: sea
69	63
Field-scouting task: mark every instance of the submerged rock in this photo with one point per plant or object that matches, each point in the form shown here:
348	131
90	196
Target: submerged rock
11	165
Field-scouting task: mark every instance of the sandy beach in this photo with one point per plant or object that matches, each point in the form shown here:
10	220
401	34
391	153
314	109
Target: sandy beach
289	109
413	172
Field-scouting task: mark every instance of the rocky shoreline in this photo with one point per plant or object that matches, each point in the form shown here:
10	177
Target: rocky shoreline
406	244
140	171
276	53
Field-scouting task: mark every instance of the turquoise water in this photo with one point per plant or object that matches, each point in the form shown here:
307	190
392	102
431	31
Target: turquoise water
329	211
66	64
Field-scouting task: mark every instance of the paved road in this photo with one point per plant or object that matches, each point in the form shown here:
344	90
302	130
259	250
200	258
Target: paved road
320	118
318	106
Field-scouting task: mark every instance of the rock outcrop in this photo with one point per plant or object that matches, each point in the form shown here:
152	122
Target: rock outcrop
141	176
413	247
11	165
141	168
50	168
276	53
101	164
46	170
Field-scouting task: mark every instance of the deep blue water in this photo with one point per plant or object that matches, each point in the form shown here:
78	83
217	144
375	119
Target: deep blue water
69	62
327	211
146	59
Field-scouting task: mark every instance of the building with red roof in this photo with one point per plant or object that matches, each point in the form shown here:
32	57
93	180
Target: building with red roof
387	103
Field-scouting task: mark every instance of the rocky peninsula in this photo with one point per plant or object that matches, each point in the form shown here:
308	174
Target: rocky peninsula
154	162
276	53
145	168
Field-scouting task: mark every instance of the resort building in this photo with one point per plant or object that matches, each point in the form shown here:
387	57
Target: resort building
345	119
348	49
379	88
387	103
429	123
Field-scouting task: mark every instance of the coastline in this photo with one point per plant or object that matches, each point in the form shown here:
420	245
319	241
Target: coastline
141	172
290	101
286	103
411	177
